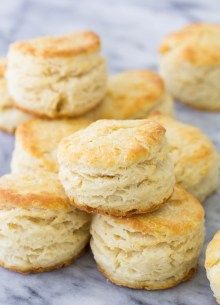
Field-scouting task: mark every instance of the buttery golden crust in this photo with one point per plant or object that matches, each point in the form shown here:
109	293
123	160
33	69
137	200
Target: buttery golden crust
74	44
148	286
181	214
109	143
198	44
131	94
43	190
39	138
188	134
194	156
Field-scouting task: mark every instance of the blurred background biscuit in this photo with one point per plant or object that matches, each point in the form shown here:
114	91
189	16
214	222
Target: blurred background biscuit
190	65
133	95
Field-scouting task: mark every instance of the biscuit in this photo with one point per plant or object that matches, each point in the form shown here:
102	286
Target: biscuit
212	265
133	95
39	229
190	65
36	143
195	158
10	118
151	251
57	76
117	167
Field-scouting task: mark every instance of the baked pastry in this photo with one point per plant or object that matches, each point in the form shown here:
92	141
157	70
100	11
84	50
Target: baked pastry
39	229
190	65
133	95
117	167
36	143
10	118
151	251
54	77
212	265
196	161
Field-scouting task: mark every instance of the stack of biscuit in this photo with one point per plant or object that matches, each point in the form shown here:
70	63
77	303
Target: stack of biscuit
103	155
147	233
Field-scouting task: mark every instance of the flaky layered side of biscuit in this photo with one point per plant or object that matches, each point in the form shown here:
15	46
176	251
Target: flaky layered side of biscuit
10	118
151	251
39	228
117	167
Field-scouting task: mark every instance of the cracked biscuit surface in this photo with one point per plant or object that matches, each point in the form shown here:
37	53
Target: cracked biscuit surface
57	76
117	167
39	229
151	251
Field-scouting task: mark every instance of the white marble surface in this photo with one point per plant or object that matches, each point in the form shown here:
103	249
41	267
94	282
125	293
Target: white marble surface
131	31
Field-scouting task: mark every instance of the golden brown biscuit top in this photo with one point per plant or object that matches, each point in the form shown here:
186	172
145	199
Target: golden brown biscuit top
189	146
109	144
199	44
179	215
212	251
3	63
40	138
32	191
74	44
131	94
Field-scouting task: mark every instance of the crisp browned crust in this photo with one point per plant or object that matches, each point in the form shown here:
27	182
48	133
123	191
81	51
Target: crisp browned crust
149	286
42	190
181	213
40	269
97	146
74	44
38	139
